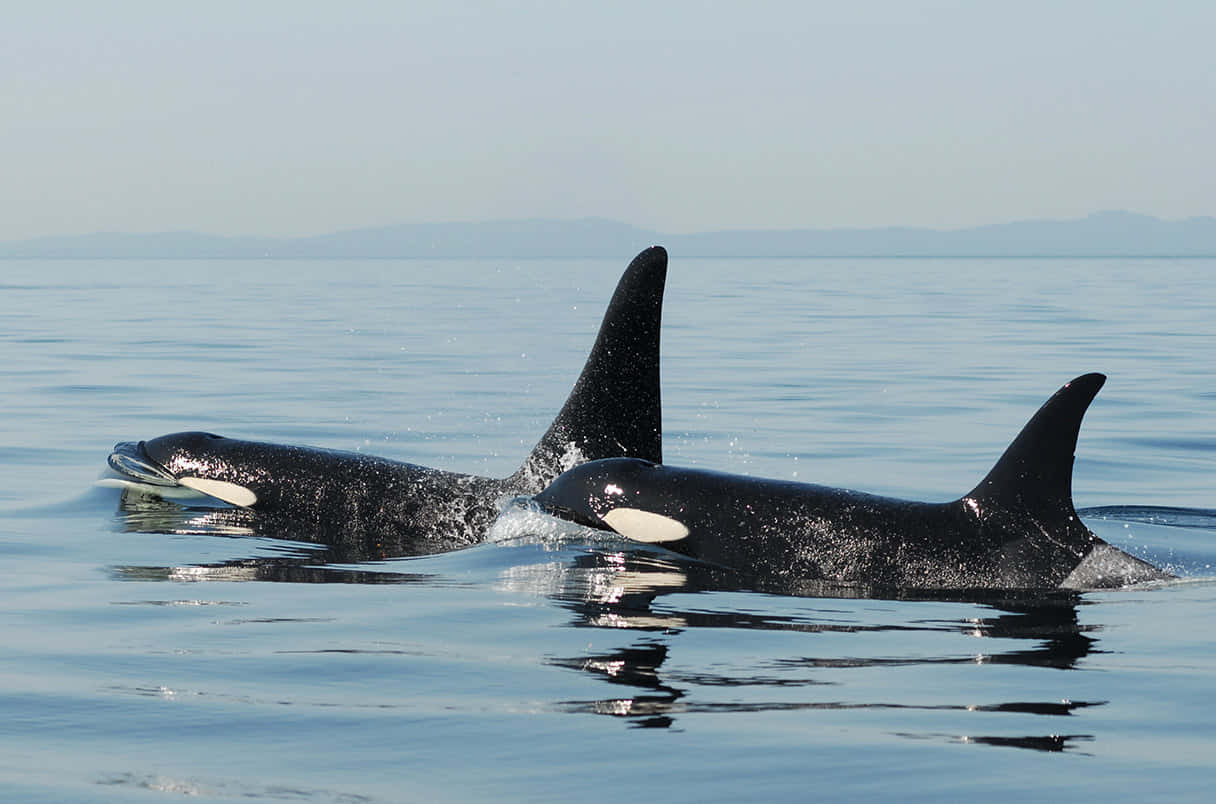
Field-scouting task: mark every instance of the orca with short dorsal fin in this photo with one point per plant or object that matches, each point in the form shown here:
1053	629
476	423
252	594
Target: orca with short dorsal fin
1017	529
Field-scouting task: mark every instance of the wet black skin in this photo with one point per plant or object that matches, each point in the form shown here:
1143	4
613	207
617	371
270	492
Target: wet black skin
1017	529
614	409
329	494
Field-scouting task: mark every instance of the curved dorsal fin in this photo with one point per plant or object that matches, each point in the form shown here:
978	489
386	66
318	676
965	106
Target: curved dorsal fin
614	409
1035	472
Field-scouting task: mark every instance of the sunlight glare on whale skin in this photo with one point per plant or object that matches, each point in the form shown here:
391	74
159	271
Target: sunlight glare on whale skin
1016	529
612	410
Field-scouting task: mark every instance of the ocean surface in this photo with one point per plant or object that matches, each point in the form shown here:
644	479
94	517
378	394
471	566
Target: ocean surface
148	658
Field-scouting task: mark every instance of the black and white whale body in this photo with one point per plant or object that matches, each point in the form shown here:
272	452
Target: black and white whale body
323	495
1016	530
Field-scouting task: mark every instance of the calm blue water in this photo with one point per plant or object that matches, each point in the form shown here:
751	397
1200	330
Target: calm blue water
143	660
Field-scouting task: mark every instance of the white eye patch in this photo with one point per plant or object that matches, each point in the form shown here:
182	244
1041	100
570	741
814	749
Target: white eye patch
221	490
645	526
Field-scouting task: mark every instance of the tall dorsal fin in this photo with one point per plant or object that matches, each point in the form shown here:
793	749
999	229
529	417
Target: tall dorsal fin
614	409
1035	473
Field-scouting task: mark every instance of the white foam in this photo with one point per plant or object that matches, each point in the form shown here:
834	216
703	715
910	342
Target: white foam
523	520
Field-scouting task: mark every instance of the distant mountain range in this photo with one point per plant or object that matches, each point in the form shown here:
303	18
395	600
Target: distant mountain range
1102	234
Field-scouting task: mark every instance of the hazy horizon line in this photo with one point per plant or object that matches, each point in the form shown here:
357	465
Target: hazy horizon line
940	228
1110	233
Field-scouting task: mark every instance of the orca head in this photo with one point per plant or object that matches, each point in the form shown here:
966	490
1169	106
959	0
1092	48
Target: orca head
625	495
179	463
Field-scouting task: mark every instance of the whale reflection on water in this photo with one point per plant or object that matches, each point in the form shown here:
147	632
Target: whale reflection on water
663	630
653	684
645	592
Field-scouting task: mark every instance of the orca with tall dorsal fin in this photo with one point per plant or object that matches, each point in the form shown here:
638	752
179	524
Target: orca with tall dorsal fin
1017	529
613	410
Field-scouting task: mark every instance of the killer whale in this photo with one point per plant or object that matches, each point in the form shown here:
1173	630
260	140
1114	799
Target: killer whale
614	409
1017	529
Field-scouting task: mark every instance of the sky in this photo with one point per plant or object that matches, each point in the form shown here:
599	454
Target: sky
298	118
